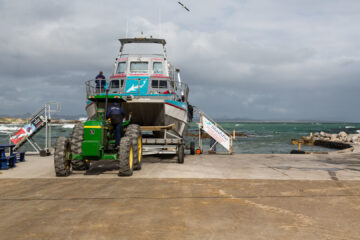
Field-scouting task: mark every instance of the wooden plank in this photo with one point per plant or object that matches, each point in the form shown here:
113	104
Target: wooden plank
157	128
161	141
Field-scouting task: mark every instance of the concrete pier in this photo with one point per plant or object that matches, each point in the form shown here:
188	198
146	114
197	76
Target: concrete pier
208	197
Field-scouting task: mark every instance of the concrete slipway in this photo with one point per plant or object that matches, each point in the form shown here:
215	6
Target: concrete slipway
208	197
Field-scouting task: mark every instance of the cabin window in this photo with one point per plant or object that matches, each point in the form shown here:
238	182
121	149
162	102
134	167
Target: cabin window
162	84
115	84
121	68
155	83
159	84
158	68
139	67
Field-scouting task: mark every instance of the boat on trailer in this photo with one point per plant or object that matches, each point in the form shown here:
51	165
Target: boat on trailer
151	91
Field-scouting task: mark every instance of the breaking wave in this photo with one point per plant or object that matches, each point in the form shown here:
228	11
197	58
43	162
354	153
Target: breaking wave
5	128
68	126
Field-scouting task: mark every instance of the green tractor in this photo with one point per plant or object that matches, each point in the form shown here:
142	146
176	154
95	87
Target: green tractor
94	140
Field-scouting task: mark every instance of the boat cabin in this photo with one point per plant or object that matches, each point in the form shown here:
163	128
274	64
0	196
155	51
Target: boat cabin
145	75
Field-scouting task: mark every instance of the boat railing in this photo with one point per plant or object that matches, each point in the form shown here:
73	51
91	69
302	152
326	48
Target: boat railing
153	88
96	87
141	54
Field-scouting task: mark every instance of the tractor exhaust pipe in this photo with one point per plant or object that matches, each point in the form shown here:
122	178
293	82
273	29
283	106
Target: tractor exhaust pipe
106	103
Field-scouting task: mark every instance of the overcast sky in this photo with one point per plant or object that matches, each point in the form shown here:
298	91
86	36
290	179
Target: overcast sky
258	59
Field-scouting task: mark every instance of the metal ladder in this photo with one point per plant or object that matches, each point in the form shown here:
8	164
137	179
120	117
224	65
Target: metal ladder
218	133
36	122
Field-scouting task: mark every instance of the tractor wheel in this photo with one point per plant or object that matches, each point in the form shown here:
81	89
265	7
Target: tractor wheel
133	128
77	138
181	153
62	159
135	134
192	148
138	159
126	157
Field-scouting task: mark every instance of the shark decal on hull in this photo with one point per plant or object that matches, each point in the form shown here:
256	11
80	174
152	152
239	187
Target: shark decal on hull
137	86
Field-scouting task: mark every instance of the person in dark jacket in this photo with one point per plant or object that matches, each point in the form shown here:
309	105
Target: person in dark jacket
116	114
100	82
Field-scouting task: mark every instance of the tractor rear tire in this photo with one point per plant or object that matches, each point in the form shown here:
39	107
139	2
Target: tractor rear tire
139	151
126	157
192	148
181	154
77	137
61	161
135	135
133	128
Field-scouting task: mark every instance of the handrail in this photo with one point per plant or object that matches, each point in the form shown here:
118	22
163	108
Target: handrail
142	54
45	107
40	118
198	110
173	88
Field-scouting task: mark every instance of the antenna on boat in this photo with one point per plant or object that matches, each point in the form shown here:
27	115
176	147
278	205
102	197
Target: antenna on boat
127	27
160	25
179	79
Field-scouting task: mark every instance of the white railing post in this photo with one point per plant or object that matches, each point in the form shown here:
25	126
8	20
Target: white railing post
200	133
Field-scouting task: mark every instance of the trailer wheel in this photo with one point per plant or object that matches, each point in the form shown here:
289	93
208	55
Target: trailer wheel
62	159
181	154
135	134
77	138
192	148
126	157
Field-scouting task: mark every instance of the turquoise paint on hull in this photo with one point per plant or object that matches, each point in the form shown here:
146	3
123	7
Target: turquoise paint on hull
178	104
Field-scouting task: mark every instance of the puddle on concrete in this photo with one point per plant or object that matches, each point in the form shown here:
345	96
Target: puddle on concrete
345	162
333	176
330	171
308	169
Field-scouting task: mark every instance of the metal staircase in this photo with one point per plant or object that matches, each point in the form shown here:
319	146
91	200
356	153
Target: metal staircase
218	133
39	120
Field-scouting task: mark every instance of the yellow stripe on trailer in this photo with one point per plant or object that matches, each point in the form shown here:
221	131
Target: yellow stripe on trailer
92	126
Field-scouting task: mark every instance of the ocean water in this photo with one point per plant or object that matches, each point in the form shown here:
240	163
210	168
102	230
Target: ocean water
263	137
275	137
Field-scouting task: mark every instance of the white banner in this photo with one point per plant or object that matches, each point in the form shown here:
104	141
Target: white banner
216	133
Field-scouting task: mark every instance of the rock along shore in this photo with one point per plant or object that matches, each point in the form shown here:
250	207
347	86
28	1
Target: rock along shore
338	137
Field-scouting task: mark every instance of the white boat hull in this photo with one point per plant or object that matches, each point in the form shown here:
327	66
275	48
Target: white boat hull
157	113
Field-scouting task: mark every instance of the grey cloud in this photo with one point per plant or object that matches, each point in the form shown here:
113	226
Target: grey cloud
256	59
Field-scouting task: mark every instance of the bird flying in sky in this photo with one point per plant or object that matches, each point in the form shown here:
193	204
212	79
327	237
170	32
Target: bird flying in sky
184	6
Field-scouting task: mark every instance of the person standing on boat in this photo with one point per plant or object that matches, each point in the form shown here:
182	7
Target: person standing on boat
100	82
116	115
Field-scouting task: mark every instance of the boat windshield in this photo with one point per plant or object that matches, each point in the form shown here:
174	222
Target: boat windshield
121	68
158	69
139	67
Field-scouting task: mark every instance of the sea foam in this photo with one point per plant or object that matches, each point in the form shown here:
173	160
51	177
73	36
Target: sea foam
68	126
6	128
